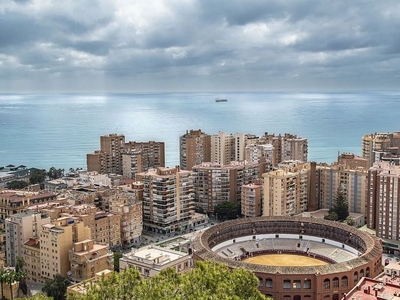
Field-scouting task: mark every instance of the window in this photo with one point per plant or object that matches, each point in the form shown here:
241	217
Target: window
307	284
297	284
327	284
268	283
344	281
286	284
355	277
335	282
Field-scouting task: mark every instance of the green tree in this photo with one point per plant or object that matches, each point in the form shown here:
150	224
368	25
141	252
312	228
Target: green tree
332	216
340	209
39	296
10	278
37	176
56	287
350	221
20	275
17	185
117	256
228	210
207	280
54	173
2	281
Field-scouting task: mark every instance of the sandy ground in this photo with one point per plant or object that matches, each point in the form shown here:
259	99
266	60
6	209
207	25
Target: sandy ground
284	260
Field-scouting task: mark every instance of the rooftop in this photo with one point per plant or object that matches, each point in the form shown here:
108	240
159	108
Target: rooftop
372	289
155	254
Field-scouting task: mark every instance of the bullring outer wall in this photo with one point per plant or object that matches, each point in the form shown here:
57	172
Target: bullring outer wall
317	282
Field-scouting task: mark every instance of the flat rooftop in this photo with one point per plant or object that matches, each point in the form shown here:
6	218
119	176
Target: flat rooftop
383	288
155	253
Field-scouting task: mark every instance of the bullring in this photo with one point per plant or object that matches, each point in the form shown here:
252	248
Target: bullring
360	254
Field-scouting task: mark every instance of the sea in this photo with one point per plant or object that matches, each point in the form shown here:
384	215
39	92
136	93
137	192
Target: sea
45	130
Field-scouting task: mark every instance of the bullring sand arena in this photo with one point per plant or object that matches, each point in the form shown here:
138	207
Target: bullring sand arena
284	260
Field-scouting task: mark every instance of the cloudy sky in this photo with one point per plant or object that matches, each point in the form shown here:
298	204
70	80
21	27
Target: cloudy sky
199	45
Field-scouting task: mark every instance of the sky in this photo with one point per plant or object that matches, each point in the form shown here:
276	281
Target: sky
198	45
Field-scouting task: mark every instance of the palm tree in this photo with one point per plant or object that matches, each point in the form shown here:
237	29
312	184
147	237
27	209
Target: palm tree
10	278
2	281
20	276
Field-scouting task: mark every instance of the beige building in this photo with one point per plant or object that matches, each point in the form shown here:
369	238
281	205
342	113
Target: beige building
286	192
31	256
56	239
353	161
19	228
129	206
286	147
109	158
167	199
139	156
132	163
105	227
352	181
383	200
252	199
13	202
381	147
260	153
153	153
194	149
221	148
151	260
238	147
215	183
88	258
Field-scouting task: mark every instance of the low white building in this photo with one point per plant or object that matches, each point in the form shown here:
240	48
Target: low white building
152	260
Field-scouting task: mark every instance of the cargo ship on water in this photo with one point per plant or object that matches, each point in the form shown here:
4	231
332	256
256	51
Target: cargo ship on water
221	100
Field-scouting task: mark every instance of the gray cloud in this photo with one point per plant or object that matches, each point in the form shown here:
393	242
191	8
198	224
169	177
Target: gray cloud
199	45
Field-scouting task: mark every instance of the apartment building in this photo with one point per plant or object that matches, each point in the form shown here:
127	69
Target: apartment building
13	202
221	148
139	156
153	153
381	147
353	182
88	258
19	228
56	239
31	257
238	146
353	161
215	183
109	158
286	192
129	206
105	227
252	199
260	153
150	261
132	163
286	147
383	200
194	149
167	199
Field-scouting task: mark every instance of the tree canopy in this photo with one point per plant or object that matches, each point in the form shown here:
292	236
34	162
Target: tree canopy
56	287
37	176
17	185
228	210
207	281
340	209
54	173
